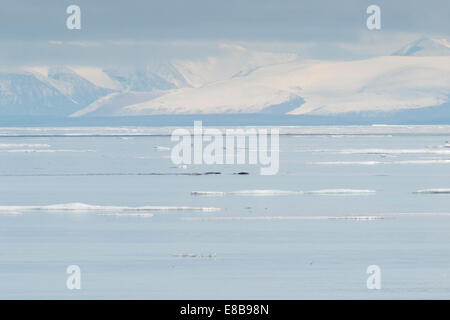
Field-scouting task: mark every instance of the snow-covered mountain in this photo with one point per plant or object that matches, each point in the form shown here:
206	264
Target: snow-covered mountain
237	80
233	63
45	91
297	86
62	91
381	84
425	47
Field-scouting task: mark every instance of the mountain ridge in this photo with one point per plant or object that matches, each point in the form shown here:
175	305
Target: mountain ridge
425	46
238	80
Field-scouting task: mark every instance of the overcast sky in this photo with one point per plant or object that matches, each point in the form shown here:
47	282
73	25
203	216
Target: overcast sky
33	31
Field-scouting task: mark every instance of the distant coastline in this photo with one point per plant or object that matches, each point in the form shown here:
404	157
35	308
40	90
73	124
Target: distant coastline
439	115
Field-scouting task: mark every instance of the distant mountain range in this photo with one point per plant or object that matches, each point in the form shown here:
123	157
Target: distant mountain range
424	47
237	81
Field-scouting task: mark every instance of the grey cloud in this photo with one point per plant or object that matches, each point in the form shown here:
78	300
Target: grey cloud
268	20
34	32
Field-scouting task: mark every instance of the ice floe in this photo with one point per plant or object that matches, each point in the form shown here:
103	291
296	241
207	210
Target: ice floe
41	150
247	193
382	151
376	130
207	193
371	163
283	192
160	148
153	157
250	218
82	207
194	255
10	213
265	192
180	166
23	145
435	191
144	215
341	191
